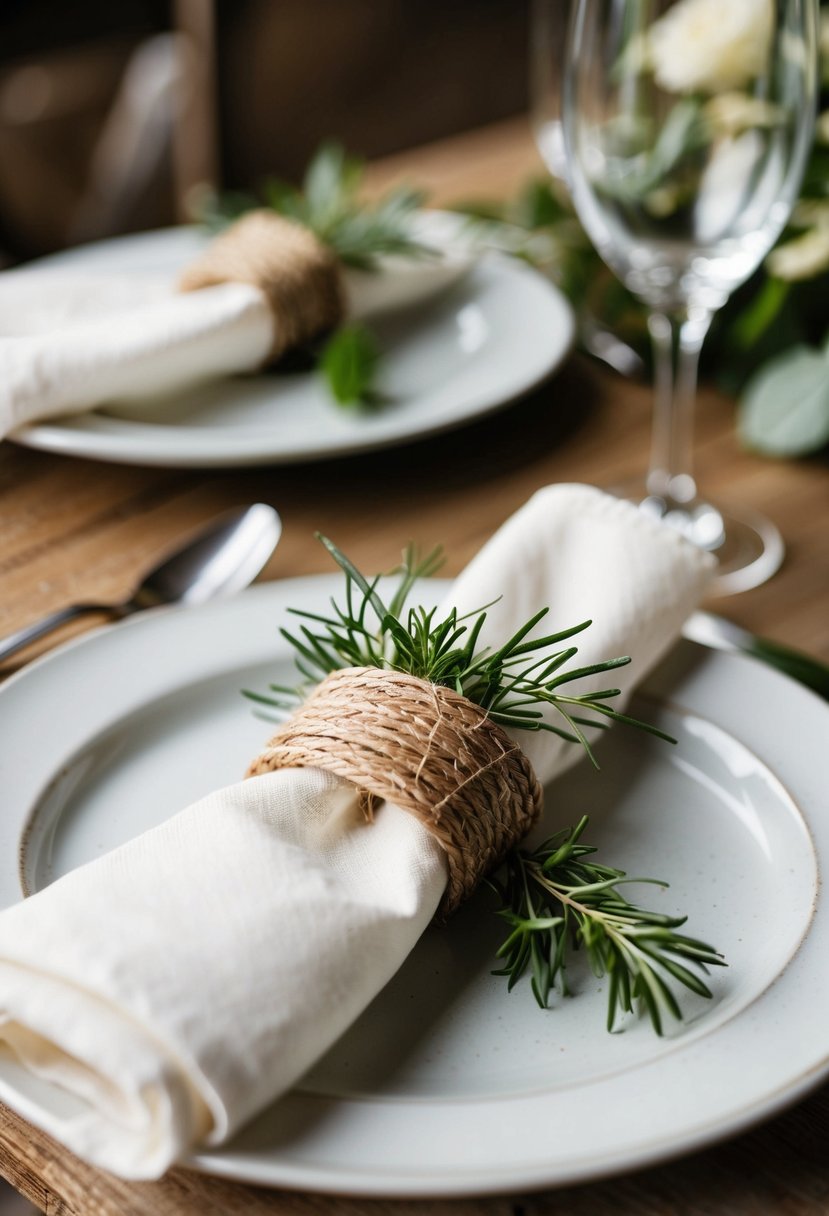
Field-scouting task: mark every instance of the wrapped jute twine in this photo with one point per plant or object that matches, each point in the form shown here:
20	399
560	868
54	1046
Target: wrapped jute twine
299	276
428	750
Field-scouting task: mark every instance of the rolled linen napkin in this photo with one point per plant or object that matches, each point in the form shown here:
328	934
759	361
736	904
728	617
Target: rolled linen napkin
159	997
70	342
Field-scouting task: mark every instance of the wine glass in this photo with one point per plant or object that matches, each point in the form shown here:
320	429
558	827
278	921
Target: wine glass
686	125
549	20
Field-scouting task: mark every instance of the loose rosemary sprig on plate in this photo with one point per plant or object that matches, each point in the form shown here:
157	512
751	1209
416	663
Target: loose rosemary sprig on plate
553	899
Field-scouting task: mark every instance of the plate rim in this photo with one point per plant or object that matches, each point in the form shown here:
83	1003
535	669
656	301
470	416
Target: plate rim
136	442
270	598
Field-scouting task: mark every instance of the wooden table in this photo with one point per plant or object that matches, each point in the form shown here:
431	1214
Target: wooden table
73	529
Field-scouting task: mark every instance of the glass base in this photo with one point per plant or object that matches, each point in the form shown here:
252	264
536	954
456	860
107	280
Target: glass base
748	546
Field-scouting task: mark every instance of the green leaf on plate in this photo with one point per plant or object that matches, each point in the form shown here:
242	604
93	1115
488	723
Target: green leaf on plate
785	406
348	363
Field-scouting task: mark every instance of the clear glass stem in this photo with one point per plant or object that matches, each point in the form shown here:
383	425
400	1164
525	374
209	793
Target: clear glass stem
677	340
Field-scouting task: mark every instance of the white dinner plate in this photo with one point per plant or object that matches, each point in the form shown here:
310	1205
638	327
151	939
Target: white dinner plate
496	333
448	1084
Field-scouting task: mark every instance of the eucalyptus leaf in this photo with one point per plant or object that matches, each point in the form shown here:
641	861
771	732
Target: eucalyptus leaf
785	407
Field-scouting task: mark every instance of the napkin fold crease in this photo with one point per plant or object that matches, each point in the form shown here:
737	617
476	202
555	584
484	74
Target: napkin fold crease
158	997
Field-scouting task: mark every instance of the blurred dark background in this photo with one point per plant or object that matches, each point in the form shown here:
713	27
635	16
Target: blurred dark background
111	113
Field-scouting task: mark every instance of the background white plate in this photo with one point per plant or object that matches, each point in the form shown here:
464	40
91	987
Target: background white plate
493	336
447	1084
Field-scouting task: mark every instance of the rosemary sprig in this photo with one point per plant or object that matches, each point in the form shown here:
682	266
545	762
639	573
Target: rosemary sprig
554	900
328	202
512	683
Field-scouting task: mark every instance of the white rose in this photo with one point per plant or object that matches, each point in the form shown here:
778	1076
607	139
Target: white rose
730	114
803	258
711	45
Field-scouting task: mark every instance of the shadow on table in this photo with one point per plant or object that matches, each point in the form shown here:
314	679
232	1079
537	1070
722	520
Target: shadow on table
511	438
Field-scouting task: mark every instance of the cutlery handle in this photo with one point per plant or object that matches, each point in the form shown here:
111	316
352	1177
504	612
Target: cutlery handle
16	641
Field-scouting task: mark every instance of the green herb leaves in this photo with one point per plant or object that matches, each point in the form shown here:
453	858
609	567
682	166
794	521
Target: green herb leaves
555	901
515	684
328	203
348	363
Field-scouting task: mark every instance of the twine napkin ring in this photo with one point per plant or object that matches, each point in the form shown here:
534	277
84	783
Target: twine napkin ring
299	276
425	748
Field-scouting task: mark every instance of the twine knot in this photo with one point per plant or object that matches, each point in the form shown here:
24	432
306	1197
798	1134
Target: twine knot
425	748
299	276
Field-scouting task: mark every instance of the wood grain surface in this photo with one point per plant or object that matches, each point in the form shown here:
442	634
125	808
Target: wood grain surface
75	529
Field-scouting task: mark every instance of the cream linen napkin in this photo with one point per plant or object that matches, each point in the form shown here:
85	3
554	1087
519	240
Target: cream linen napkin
160	996
72	341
